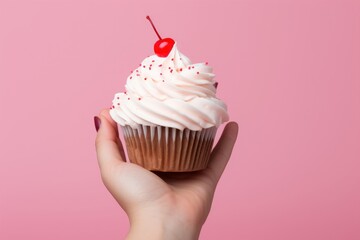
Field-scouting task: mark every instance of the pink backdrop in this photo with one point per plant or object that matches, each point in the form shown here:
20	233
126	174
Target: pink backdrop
289	71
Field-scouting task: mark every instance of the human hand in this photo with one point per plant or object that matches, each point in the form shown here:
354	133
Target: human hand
160	205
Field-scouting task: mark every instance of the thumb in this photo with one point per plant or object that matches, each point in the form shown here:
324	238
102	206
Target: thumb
222	151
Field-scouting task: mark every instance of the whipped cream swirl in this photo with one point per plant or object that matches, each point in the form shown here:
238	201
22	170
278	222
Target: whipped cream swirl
170	92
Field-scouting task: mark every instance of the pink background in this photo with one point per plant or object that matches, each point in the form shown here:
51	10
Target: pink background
289	71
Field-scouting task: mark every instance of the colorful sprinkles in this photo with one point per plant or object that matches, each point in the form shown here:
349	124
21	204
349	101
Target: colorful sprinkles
171	70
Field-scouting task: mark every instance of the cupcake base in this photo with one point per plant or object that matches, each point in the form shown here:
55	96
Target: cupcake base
169	149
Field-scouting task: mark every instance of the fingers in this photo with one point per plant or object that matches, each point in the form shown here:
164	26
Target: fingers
110	152
222	151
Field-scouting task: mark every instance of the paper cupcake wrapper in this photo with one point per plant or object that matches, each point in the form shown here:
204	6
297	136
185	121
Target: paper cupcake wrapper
169	149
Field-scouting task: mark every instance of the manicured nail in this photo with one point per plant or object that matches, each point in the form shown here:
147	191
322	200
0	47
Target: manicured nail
97	122
216	84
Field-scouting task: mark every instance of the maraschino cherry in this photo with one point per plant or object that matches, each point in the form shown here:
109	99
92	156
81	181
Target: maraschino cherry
163	46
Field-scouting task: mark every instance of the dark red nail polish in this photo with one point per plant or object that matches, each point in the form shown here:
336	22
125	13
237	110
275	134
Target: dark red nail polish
97	122
216	85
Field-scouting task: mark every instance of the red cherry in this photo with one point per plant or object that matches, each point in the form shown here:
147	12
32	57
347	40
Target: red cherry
163	46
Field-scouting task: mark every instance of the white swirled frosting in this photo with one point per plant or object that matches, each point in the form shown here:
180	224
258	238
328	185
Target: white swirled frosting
170	92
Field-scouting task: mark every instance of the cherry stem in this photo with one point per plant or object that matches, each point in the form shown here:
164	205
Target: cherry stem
148	18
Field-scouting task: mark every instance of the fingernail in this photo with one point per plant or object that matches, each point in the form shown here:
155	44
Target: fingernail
216	85
97	122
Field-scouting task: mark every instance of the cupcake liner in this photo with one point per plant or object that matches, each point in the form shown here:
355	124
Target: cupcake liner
167	149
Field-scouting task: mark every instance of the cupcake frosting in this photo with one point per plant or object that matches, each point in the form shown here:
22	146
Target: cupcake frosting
170	92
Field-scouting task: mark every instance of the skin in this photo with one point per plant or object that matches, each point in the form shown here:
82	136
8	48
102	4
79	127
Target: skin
160	205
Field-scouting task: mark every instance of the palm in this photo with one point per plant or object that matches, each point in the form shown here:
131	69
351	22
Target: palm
189	193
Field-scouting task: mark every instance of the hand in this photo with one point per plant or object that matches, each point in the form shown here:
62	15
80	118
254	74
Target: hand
160	205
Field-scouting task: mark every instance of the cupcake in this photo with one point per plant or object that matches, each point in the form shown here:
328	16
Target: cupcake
169	113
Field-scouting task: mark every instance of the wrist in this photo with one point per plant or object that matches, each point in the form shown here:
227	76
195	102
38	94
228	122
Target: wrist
157	227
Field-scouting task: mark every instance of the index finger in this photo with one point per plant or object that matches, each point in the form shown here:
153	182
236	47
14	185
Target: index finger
109	149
